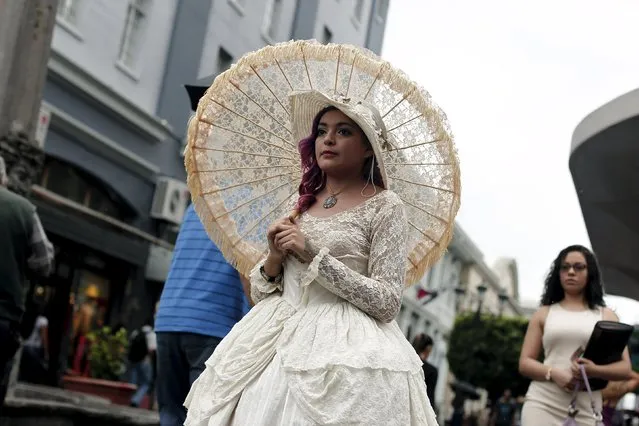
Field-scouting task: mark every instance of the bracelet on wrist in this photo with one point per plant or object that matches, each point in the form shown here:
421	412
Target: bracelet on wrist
276	279
549	374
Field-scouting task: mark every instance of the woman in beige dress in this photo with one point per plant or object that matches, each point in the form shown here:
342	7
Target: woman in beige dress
571	306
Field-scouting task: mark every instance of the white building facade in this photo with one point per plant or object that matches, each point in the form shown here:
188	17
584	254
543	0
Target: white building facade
456	279
112	192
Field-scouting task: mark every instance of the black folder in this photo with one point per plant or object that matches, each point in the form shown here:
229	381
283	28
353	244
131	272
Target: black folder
606	345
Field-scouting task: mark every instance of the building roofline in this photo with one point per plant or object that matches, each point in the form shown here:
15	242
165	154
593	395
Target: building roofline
614	112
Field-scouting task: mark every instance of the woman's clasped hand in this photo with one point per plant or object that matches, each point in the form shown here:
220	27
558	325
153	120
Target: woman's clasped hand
285	237
564	379
589	366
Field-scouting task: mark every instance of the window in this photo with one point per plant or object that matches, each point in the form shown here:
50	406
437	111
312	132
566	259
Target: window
327	36
62	179
381	9
76	185
224	60
272	19
131	43
68	10
427	325
359	10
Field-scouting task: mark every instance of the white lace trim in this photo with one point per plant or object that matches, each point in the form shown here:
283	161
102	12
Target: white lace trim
313	268
260	288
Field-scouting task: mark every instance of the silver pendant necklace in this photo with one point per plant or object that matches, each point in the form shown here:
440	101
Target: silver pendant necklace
331	200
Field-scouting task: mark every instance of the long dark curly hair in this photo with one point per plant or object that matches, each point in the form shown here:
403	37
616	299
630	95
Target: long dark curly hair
593	292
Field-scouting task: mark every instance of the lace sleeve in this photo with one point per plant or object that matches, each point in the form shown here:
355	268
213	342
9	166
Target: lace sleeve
379	294
260	288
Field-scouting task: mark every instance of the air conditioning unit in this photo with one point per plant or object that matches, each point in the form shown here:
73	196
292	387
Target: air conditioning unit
170	200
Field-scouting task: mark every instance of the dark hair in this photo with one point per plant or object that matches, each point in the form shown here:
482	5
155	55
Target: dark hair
421	342
554	292
313	180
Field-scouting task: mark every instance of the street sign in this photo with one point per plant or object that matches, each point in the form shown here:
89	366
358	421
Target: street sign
44	118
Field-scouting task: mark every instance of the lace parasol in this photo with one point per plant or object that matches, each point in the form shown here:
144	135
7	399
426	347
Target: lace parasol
244	168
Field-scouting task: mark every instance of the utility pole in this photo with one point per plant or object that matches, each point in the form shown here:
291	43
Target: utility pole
26	31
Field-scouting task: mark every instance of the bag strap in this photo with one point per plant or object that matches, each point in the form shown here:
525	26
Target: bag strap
572	408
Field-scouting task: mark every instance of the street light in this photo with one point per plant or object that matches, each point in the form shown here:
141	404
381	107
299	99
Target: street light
481	293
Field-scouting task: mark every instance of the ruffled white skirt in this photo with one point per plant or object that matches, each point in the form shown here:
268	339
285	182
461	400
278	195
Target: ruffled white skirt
324	364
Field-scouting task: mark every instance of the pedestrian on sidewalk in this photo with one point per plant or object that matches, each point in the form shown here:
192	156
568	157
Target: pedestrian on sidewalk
611	396
34	363
24	246
572	303
142	349
203	298
423	345
504	410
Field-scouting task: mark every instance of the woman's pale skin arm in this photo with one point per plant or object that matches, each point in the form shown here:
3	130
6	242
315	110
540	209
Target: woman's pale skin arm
620	370
616	390
273	265
529	365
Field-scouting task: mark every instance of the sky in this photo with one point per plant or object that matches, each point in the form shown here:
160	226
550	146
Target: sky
515	78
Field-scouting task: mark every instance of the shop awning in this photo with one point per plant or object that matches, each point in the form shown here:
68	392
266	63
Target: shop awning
604	163
91	233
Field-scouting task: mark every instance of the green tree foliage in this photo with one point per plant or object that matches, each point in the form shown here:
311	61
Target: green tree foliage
485	352
107	353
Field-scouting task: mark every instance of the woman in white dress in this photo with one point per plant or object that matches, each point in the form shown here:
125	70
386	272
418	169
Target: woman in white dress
321	346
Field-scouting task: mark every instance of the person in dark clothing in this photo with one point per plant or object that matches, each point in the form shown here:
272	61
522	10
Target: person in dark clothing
423	345
504	412
24	246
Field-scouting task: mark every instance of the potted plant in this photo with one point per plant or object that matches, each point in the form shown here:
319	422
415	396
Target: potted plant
107	364
107	353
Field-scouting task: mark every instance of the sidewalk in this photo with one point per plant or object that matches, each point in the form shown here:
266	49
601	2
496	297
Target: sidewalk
47	406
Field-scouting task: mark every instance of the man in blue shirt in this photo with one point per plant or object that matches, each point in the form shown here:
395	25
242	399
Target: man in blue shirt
202	299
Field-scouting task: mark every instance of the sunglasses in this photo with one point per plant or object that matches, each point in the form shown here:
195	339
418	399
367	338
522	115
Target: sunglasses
578	267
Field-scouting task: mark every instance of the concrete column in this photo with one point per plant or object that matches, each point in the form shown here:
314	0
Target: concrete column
26	30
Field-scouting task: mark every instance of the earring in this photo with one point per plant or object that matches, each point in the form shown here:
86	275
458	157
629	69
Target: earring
322	181
371	180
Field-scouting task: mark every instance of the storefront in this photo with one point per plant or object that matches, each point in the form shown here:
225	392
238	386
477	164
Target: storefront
93	257
604	163
110	197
